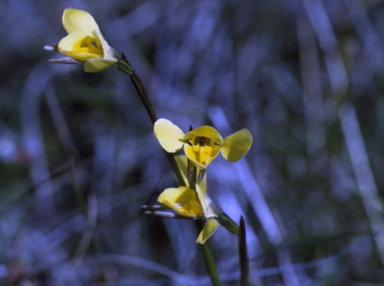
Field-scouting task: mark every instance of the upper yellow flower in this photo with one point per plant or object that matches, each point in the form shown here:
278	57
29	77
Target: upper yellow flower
85	42
191	203
203	144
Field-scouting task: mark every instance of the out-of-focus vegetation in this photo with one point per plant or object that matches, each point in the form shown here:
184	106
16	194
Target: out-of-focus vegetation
78	157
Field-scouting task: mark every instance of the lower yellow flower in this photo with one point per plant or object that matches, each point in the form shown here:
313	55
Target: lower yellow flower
194	204
191	203
182	200
203	144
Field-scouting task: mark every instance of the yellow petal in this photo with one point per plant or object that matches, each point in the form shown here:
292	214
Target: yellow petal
168	135
98	64
183	200
191	155
108	52
199	159
209	228
205	131
236	145
79	20
80	46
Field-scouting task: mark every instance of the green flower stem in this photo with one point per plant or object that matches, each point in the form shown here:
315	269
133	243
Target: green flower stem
209	261
211	266
124	66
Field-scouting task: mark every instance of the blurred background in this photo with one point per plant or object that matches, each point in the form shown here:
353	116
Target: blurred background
78	157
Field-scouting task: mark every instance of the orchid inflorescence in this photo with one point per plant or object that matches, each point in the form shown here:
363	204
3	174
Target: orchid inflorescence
201	146
85	44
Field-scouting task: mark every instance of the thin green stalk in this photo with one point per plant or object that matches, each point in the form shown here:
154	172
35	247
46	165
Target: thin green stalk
124	66
210	263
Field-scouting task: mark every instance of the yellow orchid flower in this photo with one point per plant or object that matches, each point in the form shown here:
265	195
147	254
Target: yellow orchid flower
187	202
84	42
191	203
182	200
203	144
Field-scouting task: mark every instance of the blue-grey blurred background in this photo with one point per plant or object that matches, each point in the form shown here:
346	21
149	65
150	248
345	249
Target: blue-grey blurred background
78	158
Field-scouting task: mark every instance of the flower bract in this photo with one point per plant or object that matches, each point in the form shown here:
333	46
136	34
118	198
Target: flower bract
202	144
84	41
